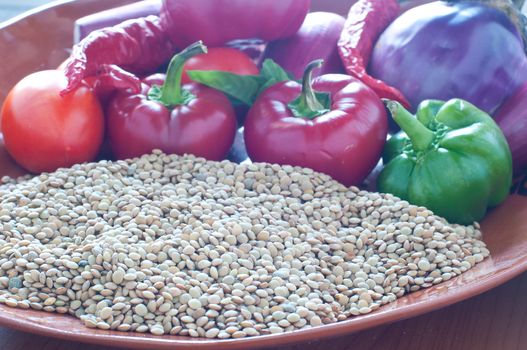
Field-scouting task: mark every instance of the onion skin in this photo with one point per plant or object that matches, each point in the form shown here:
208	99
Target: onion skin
512	119
217	22
446	50
316	39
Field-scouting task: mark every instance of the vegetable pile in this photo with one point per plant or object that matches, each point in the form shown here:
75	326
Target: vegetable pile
304	89
428	101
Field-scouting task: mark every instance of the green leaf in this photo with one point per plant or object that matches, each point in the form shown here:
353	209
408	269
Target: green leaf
273	74
235	102
272	70
240	87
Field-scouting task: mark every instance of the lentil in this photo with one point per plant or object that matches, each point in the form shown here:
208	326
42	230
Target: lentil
179	245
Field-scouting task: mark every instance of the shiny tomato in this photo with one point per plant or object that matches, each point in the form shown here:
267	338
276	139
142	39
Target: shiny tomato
44	131
224	59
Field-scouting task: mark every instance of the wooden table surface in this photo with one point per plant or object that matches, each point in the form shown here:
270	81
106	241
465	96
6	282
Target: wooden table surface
493	320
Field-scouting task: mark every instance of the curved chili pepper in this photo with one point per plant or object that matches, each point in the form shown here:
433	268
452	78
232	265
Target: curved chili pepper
366	20
137	46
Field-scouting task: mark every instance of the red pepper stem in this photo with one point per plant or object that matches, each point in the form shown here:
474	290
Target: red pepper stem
172	93
310	103
420	135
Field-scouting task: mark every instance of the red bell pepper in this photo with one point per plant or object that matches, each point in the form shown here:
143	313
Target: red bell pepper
335	125
218	21
176	119
366	20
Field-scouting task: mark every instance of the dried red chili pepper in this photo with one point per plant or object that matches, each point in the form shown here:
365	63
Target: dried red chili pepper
137	46
366	20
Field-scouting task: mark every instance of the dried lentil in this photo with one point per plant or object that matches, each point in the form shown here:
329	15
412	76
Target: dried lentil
179	245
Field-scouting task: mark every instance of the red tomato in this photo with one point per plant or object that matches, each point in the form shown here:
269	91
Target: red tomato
223	59
44	131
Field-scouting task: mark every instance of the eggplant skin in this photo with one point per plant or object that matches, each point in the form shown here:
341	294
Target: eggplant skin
446	50
512	119
317	38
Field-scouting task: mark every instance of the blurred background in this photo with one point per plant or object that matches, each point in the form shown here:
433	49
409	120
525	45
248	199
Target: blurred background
10	8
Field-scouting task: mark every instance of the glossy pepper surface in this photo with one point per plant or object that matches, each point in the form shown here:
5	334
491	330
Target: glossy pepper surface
451	158
335	125
176	119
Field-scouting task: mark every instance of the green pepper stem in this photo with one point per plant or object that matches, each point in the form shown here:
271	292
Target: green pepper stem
307	104
308	98
420	136
172	93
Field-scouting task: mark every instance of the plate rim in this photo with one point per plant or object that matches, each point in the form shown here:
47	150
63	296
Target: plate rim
342	328
349	326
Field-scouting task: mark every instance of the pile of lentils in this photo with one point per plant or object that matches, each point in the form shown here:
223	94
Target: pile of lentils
172	244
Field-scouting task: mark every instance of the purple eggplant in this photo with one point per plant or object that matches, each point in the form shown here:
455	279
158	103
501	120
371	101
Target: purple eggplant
85	25
447	50
316	38
512	119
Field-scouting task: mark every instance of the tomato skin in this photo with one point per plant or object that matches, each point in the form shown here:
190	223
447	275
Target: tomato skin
224	59
44	131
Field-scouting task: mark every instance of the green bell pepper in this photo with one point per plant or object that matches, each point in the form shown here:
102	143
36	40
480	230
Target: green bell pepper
451	158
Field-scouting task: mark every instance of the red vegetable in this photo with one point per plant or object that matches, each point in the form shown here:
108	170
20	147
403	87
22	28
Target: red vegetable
317	38
176	119
366	20
339	129
512	119
218	21
137	46
87	24
44	131
253	48
222	59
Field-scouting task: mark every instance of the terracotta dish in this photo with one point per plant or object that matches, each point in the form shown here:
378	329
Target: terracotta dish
42	40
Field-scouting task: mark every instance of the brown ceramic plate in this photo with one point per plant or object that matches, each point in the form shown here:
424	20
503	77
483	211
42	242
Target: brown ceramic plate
42	39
